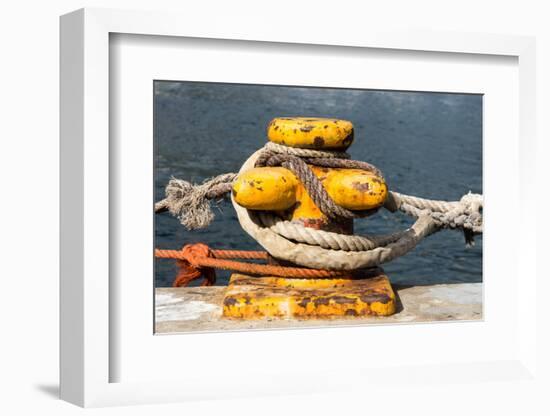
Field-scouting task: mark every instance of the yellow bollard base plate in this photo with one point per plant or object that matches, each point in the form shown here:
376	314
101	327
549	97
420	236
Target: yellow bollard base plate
250	297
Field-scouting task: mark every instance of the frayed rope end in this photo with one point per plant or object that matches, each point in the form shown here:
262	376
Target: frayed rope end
190	203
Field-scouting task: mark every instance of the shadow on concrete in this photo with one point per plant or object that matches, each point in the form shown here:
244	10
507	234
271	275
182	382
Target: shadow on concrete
51	390
398	303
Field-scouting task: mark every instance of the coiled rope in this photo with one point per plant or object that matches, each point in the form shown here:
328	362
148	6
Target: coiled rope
323	250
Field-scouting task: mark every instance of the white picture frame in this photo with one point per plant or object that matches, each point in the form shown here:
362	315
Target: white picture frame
87	356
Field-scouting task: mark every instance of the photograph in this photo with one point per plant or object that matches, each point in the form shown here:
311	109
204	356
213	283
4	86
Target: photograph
254	208
291	207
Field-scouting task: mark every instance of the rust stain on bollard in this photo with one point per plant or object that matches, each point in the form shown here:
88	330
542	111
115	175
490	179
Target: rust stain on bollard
272	297
278	190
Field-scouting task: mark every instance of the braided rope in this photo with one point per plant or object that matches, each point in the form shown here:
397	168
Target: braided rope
297	160
305	153
465	214
359	251
422	203
239	254
335	241
198	260
314	187
346	164
323	158
322	258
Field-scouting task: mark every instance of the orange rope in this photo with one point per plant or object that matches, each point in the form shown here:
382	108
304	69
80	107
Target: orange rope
198	260
239	254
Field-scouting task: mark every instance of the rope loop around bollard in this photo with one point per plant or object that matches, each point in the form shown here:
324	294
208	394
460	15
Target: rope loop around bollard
318	249
322	258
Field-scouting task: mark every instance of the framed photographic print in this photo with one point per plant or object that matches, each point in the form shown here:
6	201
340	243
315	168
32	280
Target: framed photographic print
202	129
311	204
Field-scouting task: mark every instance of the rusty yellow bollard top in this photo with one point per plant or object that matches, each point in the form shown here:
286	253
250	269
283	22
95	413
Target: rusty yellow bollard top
277	189
311	133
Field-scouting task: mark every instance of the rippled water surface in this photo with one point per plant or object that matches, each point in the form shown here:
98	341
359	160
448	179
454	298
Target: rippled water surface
427	144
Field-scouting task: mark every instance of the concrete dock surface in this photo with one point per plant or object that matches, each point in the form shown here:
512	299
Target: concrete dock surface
199	309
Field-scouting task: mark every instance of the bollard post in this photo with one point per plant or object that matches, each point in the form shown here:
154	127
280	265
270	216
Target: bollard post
276	189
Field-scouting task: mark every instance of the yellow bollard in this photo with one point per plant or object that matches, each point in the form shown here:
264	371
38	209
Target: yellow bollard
277	189
311	133
273	297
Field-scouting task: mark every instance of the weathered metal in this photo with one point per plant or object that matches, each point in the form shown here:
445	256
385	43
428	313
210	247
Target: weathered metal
277	189
306	184
250	297
311	132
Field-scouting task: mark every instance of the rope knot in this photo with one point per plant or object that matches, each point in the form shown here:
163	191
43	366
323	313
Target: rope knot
190	268
192	252
466	215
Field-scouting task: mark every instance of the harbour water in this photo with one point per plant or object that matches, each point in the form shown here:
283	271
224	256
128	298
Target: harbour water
427	144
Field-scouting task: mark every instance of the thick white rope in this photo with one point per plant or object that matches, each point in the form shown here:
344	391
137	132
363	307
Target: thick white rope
335	241
317	248
456	214
315	256
465	214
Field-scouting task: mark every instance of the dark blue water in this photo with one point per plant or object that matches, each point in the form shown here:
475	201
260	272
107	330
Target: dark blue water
427	144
